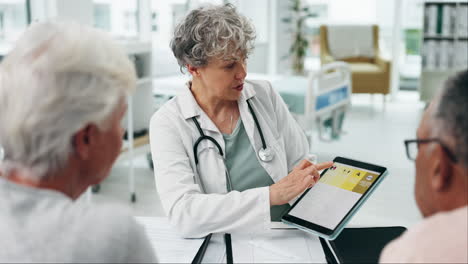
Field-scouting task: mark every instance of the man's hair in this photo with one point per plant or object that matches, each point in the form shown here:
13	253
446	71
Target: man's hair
58	78
451	113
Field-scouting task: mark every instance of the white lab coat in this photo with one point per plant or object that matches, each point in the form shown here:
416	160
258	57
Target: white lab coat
197	202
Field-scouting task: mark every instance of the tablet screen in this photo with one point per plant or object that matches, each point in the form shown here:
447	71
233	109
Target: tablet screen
334	195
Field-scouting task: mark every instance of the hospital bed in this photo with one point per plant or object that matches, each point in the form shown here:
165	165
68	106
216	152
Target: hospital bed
318	101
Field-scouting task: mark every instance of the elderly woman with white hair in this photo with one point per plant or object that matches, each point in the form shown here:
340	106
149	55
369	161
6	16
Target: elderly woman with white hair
62	98
227	154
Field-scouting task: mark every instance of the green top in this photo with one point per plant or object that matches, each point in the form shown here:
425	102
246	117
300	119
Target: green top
244	168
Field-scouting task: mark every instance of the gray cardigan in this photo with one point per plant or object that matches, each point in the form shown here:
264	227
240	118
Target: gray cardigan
38	225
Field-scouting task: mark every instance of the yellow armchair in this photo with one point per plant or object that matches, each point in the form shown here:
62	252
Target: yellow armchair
369	75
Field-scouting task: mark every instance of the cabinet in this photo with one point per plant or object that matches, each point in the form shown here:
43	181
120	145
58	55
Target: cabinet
444	44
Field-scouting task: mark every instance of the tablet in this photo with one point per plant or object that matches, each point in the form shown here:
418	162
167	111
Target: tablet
325	208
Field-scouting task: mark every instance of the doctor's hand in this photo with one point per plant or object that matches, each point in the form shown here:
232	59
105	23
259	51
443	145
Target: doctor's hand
303	176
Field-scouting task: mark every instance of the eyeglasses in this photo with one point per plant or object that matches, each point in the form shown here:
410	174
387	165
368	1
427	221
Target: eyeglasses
412	146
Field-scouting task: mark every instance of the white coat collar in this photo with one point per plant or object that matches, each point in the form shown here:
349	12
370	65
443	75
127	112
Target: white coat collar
190	108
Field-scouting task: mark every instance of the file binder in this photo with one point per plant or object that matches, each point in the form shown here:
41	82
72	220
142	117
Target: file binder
359	245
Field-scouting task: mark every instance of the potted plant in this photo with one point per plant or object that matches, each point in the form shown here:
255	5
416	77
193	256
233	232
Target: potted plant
299	13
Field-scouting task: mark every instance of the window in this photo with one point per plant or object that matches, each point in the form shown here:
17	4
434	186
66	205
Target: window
166	14
319	14
119	17
164	17
13	21
257	12
410	63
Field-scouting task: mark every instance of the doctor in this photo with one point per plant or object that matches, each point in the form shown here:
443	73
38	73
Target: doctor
228	156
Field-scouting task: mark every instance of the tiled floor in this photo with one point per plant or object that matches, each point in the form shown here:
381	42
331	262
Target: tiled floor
373	134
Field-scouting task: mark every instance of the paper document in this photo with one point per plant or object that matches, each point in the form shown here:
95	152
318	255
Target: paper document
278	246
168	245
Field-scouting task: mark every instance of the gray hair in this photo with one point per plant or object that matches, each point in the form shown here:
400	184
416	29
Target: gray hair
451	114
58	78
212	31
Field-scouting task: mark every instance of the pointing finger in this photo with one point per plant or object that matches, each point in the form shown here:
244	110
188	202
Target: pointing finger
311	170
324	165
303	164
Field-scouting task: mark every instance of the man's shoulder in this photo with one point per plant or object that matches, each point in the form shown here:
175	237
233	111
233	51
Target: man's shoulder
99	225
108	215
120	237
438	238
440	225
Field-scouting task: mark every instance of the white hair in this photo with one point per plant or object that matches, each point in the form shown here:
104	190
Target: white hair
60	77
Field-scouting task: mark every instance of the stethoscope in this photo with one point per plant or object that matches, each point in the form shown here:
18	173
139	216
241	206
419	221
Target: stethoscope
265	154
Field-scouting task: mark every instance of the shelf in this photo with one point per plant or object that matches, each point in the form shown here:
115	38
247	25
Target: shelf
441	2
440	37
445	38
440	72
443	44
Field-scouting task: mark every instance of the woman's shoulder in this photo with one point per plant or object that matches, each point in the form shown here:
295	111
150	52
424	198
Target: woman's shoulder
261	89
168	112
259	85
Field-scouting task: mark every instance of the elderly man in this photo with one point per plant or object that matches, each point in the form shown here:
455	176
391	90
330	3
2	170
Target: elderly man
441	154
62	98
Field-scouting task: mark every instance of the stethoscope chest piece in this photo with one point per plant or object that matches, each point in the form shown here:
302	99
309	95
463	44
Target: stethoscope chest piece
266	154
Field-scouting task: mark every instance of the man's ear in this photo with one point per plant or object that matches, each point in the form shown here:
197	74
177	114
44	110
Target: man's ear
194	71
441	170
83	140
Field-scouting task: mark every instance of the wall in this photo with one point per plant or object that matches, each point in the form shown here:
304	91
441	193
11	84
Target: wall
257	12
80	11
258	60
361	11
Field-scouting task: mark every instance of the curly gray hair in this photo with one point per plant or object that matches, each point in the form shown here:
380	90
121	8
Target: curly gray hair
212	31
